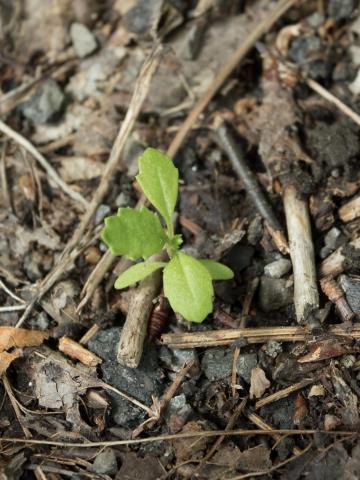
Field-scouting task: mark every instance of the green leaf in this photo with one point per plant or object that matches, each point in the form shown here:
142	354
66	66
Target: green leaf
218	271
136	273
159	179
134	233
188	287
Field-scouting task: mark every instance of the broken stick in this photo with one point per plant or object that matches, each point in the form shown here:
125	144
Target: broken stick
306	296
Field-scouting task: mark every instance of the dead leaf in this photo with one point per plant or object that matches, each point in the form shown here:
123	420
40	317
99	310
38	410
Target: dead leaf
6	358
20	337
258	383
190	447
323	350
255	459
136	468
301	409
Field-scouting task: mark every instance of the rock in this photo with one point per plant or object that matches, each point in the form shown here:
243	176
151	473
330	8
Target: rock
140	383
216	364
274	293
142	18
105	462
239	257
351	287
273	348
278	268
46	104
132	150
341	9
83	40
333	239
101	212
245	363
178	412
315	20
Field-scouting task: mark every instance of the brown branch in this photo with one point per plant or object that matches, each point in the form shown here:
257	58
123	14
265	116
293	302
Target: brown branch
214	338
284	392
335	263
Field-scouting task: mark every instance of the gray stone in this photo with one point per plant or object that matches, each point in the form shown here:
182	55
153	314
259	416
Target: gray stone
216	364
122	200
178	412
83	40
333	239
273	348
278	268
274	293
105	463
351	287
132	150
46	103
101	212
341	9
140	383
245	363
315	20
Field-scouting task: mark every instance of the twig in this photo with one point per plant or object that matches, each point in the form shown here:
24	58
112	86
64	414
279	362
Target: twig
95	278
72	249
4	184
10	293
350	210
336	295
15	406
226	69
159	406
306	296
89	334
335	263
135	328
237	157
12	308
332	99
215	338
260	423
29	147
284	392
177	436
232	420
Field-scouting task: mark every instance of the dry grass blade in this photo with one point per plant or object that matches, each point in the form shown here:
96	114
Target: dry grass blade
166	438
29	147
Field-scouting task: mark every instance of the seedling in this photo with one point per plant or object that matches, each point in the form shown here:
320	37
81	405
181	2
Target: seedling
139	234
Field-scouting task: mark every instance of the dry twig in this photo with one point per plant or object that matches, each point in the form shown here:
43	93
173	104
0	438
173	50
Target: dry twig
215	338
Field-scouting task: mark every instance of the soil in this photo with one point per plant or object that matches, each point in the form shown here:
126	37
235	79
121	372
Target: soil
67	74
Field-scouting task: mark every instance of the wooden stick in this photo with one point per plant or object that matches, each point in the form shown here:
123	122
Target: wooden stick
226	69
285	392
133	334
350	210
336	295
306	296
237	157
77	351
214	338
335	263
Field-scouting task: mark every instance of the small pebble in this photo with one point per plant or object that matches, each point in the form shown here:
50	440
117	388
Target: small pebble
245	363
273	348
105	463
278	268
46	103
101	213
83	40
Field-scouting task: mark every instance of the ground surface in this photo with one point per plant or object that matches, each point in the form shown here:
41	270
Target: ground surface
67	73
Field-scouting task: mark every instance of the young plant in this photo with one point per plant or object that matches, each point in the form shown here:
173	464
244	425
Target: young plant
139	234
